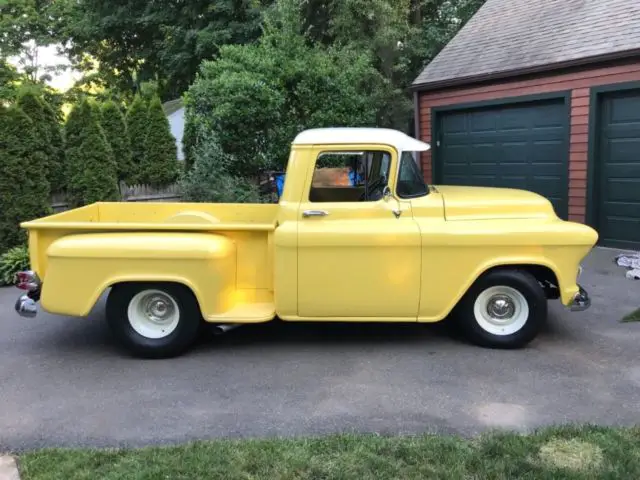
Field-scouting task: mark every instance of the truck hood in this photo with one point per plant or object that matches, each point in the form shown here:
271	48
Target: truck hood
484	203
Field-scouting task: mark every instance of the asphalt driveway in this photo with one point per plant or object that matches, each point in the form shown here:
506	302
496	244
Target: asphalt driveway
63	383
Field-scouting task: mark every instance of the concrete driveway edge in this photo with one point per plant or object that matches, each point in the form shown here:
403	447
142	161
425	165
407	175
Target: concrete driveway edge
8	468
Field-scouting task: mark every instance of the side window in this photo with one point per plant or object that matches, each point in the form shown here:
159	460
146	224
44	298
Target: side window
410	180
350	176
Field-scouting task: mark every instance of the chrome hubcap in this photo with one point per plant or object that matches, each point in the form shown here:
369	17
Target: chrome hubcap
158	308
501	307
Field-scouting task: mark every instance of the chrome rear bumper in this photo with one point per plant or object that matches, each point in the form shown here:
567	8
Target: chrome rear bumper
581	301
26	306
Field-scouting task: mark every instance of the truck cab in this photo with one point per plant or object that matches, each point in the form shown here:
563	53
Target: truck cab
356	235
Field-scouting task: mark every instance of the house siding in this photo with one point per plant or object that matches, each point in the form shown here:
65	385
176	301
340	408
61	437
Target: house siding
579	83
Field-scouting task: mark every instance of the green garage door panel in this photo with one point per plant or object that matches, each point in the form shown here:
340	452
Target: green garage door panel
617	173
521	146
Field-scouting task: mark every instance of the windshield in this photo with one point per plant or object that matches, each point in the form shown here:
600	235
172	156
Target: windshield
410	180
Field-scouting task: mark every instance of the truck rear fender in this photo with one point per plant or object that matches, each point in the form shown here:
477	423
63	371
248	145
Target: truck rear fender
81	267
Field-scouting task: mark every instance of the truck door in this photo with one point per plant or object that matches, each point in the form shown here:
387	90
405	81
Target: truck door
359	249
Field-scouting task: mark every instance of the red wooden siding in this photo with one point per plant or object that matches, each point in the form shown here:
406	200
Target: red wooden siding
578	82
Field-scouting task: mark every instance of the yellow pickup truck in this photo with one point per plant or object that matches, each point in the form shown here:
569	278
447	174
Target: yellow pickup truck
356	236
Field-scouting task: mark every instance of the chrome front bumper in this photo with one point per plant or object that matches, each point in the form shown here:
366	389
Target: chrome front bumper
581	301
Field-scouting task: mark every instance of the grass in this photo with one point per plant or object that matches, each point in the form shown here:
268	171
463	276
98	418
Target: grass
563	452
632	317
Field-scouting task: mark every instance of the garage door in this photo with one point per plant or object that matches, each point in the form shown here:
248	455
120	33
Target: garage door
521	146
616	201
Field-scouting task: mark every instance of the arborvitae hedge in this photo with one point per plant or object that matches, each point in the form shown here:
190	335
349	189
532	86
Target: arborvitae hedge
137	127
115	130
93	170
160	162
57	160
48	136
24	189
77	120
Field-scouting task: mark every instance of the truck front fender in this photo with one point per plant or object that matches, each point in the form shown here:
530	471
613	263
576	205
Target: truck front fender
81	267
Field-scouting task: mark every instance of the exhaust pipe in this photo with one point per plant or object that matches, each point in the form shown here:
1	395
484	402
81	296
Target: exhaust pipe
222	329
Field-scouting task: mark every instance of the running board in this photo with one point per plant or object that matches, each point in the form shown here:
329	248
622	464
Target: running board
246	313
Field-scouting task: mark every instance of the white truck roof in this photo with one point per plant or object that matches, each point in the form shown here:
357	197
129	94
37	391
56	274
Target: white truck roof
349	135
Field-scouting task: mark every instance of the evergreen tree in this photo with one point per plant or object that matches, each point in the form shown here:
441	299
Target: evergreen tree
137	127
115	130
57	160
76	121
33	107
74	131
94	175
160	162
24	190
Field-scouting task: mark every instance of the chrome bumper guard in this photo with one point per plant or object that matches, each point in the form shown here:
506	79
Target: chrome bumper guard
581	301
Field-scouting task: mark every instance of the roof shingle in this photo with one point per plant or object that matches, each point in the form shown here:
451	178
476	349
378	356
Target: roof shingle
513	35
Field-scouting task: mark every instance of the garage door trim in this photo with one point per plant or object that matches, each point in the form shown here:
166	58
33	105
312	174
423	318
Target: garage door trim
436	112
595	103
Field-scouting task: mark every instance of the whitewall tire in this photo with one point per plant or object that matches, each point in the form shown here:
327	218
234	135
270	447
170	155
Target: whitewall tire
153	320
503	309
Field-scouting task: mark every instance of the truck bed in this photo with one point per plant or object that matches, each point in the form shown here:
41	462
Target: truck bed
162	216
249	224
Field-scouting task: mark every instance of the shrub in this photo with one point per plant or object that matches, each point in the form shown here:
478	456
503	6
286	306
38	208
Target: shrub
257	98
24	190
115	130
209	179
13	261
93	171
137	123
159	165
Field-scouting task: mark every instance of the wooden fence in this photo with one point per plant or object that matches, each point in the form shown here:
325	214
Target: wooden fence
129	193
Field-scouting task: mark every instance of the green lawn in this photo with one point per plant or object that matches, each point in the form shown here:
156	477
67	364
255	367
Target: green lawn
632	317
567	452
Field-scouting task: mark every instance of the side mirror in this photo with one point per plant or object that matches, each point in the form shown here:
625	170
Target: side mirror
386	193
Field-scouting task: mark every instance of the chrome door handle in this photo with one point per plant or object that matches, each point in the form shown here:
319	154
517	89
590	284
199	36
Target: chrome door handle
314	213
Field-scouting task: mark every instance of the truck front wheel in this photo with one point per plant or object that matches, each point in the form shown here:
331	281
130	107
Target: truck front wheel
153	320
503	309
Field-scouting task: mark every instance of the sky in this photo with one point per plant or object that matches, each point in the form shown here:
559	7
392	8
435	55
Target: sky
48	56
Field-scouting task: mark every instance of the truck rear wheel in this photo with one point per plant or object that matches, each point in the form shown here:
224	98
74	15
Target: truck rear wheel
503	309
153	320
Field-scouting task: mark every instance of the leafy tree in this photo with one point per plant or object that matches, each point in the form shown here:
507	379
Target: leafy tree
115	130
160	162
209	179
26	26
137	127
24	190
256	98
9	81
93	171
163	41
48	136
401	35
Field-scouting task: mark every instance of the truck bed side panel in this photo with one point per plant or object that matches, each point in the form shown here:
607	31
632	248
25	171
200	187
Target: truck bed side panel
82	267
